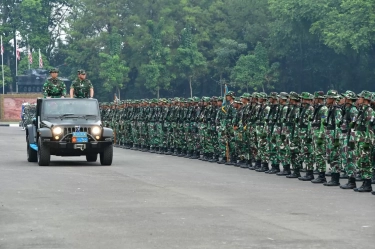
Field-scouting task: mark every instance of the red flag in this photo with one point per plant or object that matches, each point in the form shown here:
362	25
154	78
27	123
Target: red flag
30	57
18	56
40	60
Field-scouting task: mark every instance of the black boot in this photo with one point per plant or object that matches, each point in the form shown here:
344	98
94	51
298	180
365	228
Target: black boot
248	163
264	167
214	159
316	172
350	185
243	163
335	180
182	153
222	161
359	177
206	156
344	175
236	162
329	173
195	155
373	192
275	169
366	186
257	165
175	152
321	178
232	161
286	171
169	151
189	153
296	173
308	177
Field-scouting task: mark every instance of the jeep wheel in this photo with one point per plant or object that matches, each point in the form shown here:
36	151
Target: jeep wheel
44	155
32	155
91	157
107	155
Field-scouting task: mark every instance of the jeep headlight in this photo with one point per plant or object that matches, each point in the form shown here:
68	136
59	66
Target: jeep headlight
57	130
96	130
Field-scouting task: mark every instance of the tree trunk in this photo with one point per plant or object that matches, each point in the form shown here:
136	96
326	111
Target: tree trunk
191	88
158	91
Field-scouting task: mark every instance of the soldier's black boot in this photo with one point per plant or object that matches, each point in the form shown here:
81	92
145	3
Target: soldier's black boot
321	178
231	161
257	165
358	177
329	173
350	185
214	159
296	173
316	172
189	153
264	167
344	175
206	157
195	155
248	163
335	180
275	169
366	186
243	163
286	171
222	161
182	153
308	177
175	152
236	161
373	192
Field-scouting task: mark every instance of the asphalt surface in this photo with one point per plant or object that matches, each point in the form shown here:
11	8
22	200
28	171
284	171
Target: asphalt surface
154	201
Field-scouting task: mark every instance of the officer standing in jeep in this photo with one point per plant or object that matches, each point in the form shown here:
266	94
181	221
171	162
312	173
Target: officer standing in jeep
81	87
54	87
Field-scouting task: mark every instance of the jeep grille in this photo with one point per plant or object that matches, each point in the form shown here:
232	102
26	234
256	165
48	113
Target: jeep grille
68	130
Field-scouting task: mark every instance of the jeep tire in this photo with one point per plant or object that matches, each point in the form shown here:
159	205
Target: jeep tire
32	155
44	155
107	155
92	157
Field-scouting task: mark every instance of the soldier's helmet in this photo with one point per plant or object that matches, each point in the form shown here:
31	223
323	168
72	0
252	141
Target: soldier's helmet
284	95
332	94
319	95
254	95
220	99
307	95
246	96
273	95
294	95
81	71
262	95
350	95
213	99
196	99
230	93
365	94
54	70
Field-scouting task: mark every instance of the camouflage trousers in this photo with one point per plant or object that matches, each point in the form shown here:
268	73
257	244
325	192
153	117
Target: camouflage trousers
134	131
179	136
195	140
238	143
320	150
273	147
152	135
283	149
348	153
231	141
294	146
215	142
143	138
307	152
222	141
127	133
244	148
364	162
262	144
160	135
253	143
333	150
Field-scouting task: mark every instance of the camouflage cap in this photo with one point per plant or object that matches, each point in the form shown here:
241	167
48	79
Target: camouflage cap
284	95
319	95
365	94
373	96
213	98
350	95
294	95
238	100
332	94
206	99
262	95
254	95
81	71
220	99
273	95
54	70
246	96
196	99
230	93
307	95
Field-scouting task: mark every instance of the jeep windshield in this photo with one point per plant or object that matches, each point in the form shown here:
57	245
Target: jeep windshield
70	108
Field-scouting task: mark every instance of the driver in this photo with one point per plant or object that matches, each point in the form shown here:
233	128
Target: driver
54	87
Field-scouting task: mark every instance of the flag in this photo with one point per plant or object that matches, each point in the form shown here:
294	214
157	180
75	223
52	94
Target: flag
224	97
30	57
2	48
40	60
18	56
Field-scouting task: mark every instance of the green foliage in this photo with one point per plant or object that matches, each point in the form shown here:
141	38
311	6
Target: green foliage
23	64
7	76
113	72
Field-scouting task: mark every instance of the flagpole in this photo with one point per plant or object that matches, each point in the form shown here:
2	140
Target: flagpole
29	52
16	67
2	63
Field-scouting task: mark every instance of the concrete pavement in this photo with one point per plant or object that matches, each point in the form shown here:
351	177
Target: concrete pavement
154	201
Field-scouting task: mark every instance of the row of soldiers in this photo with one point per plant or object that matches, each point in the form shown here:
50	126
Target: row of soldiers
257	130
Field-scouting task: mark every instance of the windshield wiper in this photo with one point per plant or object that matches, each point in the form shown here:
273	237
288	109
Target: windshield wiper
89	115
67	115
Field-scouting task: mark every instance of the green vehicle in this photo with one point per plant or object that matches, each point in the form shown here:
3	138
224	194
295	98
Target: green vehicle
68	127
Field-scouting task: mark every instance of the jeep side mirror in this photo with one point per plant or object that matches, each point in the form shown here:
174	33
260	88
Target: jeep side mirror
34	121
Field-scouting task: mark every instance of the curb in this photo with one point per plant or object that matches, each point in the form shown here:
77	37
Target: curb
10	125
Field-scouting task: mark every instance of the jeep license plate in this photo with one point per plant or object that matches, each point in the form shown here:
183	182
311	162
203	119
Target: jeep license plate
80	134
81	140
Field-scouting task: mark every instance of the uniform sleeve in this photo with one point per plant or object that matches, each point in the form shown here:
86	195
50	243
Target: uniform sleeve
63	89
73	85
45	89
89	84
338	117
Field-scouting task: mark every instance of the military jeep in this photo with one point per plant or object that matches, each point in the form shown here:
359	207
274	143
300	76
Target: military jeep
68	127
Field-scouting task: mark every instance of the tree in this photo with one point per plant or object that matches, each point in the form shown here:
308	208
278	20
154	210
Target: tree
113	71
23	64
7	76
190	61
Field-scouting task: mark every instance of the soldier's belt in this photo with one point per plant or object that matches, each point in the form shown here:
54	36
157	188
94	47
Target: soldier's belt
361	128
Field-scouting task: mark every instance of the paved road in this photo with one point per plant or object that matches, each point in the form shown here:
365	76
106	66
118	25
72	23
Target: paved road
152	201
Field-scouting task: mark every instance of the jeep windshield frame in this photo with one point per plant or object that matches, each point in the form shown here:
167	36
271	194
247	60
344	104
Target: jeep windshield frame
66	108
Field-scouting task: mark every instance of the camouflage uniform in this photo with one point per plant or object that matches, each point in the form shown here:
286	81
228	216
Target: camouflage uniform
54	87
81	88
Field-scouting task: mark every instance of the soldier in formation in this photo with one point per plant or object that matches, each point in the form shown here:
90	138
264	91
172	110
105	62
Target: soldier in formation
302	132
